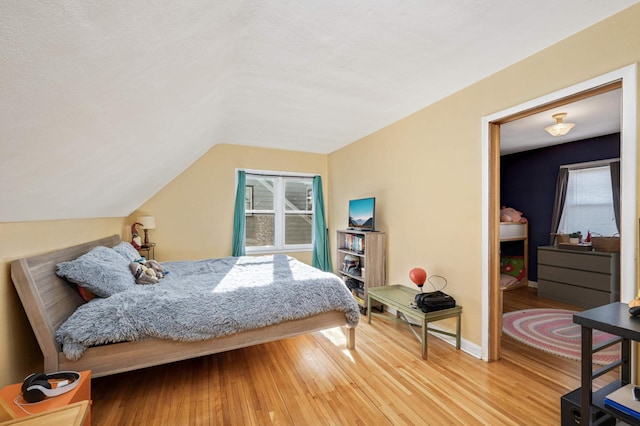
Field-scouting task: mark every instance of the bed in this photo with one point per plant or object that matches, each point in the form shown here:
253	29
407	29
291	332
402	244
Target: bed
514	269
50	301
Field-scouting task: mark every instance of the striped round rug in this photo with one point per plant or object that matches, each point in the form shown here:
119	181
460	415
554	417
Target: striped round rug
553	331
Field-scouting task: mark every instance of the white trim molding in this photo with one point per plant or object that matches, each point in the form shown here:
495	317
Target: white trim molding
628	173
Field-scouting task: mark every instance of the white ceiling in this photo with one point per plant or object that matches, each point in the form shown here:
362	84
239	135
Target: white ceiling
104	103
595	116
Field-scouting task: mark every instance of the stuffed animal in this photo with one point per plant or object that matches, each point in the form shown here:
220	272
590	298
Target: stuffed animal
156	267
136	241
508	214
146	271
142	274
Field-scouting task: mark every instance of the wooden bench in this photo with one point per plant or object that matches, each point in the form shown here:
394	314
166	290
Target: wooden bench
401	298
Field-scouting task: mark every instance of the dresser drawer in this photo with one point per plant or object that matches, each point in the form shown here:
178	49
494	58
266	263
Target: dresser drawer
573	295
587	261
582	278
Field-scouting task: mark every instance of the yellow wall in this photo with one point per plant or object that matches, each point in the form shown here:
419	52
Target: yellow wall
194	213
425	170
19	352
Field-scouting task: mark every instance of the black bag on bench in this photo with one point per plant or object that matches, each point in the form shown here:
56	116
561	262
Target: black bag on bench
435	300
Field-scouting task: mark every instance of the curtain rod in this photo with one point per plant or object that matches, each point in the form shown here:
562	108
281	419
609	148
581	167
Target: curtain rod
589	164
279	174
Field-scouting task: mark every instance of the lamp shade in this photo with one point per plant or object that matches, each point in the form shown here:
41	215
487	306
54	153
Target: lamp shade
560	128
147	222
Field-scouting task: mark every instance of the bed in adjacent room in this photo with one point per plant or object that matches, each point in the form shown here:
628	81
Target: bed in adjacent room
514	269
198	308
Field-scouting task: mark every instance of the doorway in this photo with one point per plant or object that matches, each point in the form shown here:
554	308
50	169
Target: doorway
491	301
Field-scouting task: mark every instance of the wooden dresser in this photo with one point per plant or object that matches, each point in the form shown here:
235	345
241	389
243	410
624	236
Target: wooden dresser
582	278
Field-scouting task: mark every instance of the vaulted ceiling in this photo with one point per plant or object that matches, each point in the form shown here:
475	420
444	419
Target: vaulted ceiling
89	88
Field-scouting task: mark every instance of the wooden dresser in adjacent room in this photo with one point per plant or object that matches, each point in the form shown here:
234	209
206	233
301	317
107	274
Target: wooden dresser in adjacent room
581	278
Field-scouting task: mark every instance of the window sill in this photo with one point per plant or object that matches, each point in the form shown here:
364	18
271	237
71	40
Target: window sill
270	250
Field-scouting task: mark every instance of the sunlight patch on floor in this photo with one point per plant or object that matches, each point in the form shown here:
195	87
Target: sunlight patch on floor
337	336
347	353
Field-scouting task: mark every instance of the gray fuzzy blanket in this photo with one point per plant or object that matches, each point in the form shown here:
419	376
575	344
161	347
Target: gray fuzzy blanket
209	298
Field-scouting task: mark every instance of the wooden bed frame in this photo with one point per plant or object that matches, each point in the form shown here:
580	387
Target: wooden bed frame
48	301
516	231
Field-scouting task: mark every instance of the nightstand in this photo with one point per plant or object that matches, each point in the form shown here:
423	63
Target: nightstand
82	392
69	415
148	251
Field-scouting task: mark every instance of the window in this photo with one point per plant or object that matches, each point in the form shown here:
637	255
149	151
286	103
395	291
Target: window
589	202
279	213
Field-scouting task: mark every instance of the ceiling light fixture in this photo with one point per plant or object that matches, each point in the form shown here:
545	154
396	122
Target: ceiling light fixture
560	128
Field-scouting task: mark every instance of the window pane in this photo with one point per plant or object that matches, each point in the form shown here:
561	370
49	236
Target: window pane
589	203
262	190
278	212
260	230
298	195
298	229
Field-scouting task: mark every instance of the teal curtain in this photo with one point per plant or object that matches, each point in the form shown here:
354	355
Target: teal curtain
321	258
239	224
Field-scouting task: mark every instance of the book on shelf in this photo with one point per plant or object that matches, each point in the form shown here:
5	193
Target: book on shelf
358	294
623	401
354	242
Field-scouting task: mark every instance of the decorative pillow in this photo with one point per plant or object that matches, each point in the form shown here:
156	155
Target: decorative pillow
102	271
127	251
86	295
512	265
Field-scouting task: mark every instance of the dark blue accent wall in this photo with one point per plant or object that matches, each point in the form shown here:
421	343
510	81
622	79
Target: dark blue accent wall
528	183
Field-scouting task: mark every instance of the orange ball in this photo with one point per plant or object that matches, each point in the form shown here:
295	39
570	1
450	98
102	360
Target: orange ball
418	276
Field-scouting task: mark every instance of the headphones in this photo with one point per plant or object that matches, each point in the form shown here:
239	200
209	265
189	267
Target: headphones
36	387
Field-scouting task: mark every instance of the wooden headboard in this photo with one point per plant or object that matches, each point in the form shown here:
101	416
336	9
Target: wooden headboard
48	300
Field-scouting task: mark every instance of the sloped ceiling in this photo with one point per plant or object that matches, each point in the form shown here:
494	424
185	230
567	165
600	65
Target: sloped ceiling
105	102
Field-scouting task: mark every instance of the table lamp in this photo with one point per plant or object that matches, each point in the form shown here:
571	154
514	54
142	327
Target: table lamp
147	222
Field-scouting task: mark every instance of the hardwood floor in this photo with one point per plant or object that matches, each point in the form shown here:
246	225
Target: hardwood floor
527	297
312	379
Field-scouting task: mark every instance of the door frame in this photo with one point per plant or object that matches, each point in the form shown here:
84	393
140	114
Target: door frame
491	298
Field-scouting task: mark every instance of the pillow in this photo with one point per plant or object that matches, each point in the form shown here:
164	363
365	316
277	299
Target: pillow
512	265
86	295
507	281
102	271
127	251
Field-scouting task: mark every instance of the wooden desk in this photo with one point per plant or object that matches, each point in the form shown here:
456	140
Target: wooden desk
614	319
69	415
82	392
401	298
